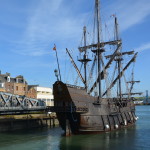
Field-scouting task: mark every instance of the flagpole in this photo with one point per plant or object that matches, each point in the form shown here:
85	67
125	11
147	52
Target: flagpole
58	64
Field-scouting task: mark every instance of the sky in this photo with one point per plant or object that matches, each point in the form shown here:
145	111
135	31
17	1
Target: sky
30	28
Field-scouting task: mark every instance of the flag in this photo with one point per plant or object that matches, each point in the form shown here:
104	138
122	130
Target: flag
54	48
113	15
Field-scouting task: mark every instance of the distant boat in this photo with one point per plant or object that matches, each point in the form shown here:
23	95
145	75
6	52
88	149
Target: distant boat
92	108
138	102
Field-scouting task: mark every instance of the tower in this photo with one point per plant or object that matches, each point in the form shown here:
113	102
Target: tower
146	100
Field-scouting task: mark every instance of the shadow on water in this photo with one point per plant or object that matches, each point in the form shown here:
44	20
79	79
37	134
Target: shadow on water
133	138
117	140
32	139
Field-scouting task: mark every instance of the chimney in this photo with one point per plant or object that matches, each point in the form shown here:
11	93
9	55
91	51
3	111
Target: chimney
8	74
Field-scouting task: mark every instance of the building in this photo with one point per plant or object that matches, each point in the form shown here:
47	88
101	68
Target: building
32	93
17	85
45	94
41	93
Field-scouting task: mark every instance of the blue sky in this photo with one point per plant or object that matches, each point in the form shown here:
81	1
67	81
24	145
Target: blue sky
29	29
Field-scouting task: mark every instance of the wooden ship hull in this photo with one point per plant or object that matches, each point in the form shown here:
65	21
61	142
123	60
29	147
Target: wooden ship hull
78	112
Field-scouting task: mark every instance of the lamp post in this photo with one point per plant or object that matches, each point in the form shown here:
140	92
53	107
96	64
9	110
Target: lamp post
56	74
57	63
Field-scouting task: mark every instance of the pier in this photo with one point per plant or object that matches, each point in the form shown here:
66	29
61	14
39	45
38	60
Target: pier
18	112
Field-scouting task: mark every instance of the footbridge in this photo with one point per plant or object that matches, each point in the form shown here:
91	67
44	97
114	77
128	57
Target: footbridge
11	104
15	104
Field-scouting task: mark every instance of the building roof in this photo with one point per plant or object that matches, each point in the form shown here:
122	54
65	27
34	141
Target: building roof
20	76
46	89
18	79
32	86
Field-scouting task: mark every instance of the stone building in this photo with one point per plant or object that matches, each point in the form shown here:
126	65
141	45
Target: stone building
17	85
32	93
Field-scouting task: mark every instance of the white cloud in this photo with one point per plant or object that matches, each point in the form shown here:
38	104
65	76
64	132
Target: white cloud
143	47
131	12
51	22
54	22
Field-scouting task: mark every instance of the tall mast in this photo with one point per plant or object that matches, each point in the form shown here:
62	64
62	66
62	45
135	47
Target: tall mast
98	41
116	29
132	82
84	57
118	59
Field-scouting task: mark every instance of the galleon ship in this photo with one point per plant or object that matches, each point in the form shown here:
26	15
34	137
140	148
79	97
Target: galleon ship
100	104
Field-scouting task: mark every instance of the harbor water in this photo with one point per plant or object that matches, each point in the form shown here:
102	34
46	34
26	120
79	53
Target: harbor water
132	138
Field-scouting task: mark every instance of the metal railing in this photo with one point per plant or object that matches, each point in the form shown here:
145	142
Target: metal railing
10	102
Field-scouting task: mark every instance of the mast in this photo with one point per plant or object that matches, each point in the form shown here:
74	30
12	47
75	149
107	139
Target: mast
116	29
132	82
85	58
118	59
107	66
99	55
121	73
119	65
98	51
84	31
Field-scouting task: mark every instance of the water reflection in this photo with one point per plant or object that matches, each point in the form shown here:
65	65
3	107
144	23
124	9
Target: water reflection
133	138
32	139
122	139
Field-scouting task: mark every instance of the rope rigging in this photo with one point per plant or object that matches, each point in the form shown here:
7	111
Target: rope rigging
92	68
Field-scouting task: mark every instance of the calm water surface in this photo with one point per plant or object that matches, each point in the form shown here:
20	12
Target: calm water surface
133	138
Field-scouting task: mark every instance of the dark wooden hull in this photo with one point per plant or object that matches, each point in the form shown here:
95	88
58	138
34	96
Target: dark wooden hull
81	113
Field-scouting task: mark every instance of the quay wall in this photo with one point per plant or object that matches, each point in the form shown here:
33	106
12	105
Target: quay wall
16	122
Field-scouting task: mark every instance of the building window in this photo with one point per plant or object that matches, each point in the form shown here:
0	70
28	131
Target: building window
17	80
1	84
24	88
16	88
8	87
8	79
